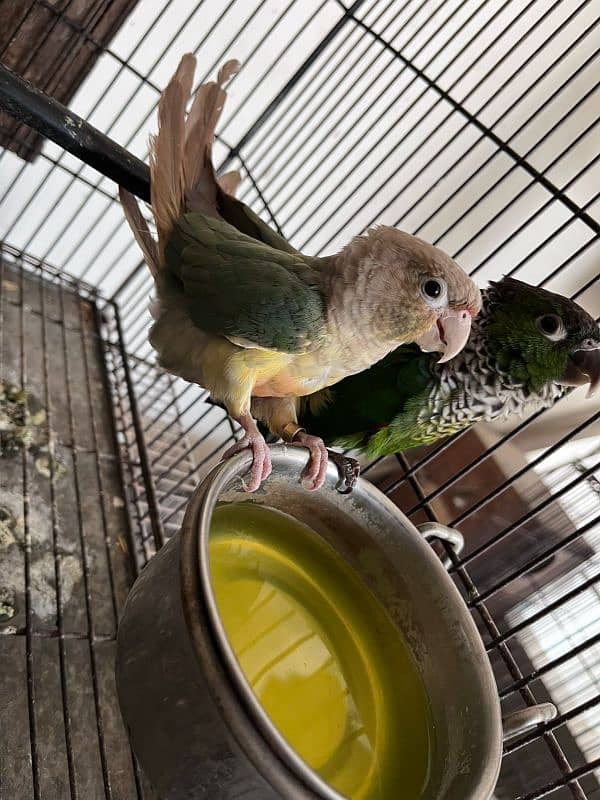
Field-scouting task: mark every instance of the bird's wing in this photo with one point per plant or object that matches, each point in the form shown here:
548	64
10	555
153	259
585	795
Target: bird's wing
245	220
354	410
240	288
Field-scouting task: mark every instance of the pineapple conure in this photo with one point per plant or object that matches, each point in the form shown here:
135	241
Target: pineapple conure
241	312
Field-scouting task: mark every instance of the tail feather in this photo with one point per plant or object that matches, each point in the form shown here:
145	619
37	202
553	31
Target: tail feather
139	227
182	176
199	175
167	191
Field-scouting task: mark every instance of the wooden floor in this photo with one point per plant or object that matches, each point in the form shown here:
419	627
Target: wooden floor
64	570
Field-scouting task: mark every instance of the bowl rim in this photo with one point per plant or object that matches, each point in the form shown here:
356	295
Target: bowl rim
195	562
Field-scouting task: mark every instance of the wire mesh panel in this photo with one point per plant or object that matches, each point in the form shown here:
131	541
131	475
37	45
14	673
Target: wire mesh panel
64	563
471	123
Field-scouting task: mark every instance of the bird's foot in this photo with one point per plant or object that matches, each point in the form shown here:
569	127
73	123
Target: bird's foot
261	455
313	475
348	470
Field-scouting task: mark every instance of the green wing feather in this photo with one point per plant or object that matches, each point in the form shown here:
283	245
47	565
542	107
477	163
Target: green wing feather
376	410
245	220
244	289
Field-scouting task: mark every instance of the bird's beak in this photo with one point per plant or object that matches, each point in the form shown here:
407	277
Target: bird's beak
583	366
448	334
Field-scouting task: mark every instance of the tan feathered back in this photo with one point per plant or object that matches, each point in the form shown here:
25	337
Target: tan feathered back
182	176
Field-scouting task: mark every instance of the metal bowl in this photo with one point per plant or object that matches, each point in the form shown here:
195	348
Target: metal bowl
193	721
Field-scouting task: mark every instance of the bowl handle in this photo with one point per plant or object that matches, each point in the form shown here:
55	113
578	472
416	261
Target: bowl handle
435	530
519	722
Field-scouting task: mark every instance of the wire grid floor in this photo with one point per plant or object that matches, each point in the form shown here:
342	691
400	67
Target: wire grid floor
471	123
65	568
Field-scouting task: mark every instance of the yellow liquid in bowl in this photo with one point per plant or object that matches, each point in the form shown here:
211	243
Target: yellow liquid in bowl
321	654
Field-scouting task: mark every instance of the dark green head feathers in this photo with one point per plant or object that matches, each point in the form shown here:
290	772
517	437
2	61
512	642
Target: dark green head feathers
537	336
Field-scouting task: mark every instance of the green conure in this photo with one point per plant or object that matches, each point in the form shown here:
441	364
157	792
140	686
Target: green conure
526	348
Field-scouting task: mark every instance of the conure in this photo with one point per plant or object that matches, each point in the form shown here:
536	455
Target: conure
526	349
241	312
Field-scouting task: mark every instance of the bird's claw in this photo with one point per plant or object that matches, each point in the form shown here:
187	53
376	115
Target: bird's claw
348	471
261	459
315	472
316	469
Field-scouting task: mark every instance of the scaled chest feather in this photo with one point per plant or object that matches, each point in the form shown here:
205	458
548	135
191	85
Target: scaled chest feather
474	388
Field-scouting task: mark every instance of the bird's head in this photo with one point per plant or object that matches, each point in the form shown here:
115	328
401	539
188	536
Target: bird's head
539	337
444	298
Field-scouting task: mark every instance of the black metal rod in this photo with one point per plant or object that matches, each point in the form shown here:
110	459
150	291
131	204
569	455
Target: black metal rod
548	609
549	788
55	121
538	673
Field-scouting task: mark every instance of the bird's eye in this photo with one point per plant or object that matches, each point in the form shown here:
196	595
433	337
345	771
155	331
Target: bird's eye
552	326
434	290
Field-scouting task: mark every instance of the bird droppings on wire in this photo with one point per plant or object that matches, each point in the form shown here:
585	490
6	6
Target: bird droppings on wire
8	524
23	428
19	428
42	563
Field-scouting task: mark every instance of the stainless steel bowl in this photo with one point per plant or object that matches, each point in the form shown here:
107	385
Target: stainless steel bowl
195	724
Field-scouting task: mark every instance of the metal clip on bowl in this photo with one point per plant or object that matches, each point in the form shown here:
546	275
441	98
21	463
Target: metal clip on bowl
526	719
435	530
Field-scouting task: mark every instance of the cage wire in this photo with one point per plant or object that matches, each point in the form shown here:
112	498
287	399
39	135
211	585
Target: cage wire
470	123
